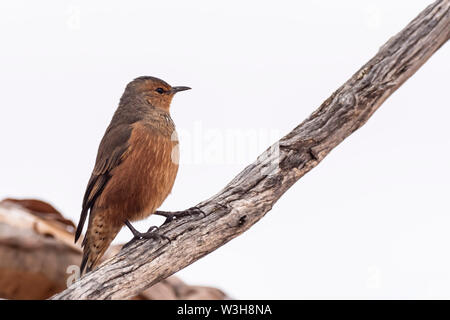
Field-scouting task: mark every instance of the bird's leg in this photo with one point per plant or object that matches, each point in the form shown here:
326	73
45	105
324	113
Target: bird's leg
170	216
133	230
150	234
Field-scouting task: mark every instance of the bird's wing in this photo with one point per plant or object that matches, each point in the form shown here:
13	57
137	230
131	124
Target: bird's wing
111	152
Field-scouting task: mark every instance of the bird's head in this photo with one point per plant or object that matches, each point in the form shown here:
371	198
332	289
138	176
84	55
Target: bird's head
154	91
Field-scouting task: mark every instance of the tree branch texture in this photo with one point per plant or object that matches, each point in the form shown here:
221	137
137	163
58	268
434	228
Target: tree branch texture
253	192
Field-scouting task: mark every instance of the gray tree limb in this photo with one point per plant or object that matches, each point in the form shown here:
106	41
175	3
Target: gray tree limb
252	193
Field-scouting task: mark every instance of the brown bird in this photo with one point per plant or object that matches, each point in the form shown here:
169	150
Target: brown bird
135	169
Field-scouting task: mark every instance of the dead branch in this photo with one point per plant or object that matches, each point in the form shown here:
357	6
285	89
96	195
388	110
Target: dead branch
250	195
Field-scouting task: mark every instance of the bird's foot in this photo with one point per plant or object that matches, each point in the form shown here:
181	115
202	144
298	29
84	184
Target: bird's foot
150	234
170	216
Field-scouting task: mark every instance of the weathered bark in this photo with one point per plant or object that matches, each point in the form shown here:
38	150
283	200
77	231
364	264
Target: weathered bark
250	195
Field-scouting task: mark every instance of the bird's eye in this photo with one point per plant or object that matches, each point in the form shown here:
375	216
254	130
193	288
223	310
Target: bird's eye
160	90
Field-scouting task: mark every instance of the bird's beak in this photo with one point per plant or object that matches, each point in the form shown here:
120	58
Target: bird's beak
178	89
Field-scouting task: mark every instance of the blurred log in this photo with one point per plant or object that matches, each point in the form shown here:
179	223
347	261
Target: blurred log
34	252
36	249
173	288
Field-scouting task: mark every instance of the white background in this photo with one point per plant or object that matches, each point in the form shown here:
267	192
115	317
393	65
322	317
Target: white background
371	221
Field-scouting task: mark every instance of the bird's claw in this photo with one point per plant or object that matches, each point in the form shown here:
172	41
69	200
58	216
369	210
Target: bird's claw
150	234
170	216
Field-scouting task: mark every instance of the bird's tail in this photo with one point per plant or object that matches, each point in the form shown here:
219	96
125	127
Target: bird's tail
97	239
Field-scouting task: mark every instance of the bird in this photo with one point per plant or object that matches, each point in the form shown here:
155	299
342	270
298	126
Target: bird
135	167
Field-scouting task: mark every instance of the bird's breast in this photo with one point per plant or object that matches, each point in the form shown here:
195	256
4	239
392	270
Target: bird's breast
145	177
